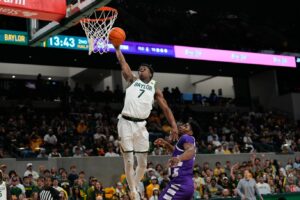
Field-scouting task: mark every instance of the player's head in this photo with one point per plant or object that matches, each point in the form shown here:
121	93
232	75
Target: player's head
145	71
187	128
184	128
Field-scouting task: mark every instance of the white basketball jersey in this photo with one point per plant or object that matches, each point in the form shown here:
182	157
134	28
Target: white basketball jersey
3	191
139	99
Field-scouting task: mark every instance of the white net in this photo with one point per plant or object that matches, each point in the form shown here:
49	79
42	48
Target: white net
97	27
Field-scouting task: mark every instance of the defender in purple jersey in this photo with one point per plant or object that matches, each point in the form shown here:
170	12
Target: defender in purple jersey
181	186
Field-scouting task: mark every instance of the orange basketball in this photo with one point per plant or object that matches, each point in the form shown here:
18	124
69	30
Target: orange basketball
117	36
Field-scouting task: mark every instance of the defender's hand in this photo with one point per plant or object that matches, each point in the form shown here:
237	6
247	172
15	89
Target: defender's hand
173	162
160	142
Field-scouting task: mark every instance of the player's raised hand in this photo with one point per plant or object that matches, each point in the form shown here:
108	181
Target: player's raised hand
117	47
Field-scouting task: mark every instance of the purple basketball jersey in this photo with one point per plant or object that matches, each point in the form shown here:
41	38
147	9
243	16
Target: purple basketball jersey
184	169
181	186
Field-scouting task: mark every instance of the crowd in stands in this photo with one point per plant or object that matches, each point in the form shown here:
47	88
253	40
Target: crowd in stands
43	89
84	130
211	180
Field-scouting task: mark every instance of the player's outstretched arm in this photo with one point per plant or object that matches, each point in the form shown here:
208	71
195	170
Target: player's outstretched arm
126	71
168	113
164	143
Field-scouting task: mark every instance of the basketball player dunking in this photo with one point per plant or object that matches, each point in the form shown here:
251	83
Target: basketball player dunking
181	186
133	134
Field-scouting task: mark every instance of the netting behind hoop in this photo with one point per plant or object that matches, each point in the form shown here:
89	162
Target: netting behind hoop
97	27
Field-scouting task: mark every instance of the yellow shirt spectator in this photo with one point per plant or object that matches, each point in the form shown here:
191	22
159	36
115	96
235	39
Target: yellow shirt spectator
218	169
151	186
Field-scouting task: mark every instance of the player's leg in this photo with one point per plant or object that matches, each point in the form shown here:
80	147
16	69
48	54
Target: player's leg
176	191
129	171
126	146
141	148
141	166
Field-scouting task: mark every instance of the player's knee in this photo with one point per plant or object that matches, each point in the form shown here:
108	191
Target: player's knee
143	164
128	160
142	161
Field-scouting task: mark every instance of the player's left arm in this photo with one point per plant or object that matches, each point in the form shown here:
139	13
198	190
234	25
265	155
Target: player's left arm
189	153
167	111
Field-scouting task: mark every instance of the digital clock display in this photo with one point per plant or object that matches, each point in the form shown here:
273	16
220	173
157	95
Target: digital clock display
67	42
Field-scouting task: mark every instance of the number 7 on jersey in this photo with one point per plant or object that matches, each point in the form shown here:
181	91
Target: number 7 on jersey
142	92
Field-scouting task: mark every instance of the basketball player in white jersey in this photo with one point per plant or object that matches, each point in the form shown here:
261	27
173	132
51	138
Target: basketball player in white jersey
139	99
4	189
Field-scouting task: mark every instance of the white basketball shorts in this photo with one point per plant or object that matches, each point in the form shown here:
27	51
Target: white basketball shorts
133	135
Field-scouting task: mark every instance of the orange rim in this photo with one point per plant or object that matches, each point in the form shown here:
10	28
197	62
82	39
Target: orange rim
104	8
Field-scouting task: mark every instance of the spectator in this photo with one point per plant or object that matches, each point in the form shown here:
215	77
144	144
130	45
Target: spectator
111	153
50	139
291	186
226	184
248	142
155	194
213	98
73	175
29	186
29	170
99	193
296	164
81	127
213	189
54	153
78	153
65	183
79	146
99	134
264	188
15	191
197	195
236	149
35	143
42	153
3	173
153	184
57	187
218	169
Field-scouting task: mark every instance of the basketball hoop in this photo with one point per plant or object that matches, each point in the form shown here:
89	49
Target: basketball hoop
97	27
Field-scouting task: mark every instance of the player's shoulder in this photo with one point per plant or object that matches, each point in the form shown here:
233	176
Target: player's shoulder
187	137
152	82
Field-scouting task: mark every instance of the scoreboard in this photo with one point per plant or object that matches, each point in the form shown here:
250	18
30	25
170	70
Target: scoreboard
150	49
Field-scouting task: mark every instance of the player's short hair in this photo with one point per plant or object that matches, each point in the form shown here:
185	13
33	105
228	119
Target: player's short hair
149	66
195	127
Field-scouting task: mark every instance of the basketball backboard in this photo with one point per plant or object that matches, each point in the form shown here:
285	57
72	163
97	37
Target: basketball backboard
39	31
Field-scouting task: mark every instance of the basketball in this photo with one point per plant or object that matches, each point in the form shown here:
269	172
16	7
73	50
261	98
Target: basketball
117	36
